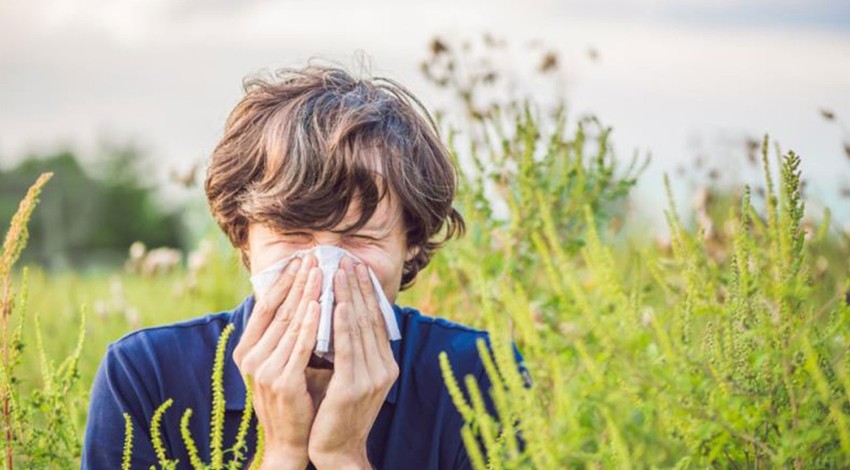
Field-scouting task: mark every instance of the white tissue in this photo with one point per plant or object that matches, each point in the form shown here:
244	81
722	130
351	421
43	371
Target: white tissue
329	257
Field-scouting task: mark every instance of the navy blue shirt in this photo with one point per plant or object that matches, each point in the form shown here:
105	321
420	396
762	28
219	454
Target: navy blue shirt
418	427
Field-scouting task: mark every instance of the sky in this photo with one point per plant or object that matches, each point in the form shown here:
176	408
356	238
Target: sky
674	79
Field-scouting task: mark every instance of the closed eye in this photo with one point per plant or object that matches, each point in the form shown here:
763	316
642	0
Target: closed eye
296	234
364	238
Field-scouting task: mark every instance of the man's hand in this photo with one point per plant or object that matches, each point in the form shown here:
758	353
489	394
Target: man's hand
272	356
364	371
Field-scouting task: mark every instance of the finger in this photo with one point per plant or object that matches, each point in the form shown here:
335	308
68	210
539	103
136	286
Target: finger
266	307
290	304
359	369
342	293
371	356
269	337
286	325
358	304
345	358
306	341
378	325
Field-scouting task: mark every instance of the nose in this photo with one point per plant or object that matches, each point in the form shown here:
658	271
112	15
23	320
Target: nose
326	238
336	242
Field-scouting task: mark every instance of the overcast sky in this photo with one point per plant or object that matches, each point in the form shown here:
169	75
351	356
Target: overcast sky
673	78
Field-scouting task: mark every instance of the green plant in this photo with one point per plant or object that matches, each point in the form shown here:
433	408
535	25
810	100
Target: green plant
681	361
40	425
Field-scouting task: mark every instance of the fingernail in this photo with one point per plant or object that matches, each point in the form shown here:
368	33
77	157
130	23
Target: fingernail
294	265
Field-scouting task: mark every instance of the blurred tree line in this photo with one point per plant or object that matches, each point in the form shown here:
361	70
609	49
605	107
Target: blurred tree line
92	212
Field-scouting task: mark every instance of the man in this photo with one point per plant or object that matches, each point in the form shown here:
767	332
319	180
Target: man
314	157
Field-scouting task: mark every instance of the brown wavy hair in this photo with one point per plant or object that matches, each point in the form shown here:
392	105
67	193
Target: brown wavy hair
302	144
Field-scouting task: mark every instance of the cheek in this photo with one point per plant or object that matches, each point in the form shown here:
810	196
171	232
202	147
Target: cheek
378	260
387	267
266	256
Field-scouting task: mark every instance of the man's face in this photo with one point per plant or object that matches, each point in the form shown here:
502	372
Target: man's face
381	243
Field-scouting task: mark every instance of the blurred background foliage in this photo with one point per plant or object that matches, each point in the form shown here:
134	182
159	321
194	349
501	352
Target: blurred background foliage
93	210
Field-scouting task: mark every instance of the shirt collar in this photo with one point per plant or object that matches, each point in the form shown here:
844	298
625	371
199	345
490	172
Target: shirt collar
234	385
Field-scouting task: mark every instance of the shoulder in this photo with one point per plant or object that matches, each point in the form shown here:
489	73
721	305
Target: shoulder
180	337
138	372
157	361
439	330
425	337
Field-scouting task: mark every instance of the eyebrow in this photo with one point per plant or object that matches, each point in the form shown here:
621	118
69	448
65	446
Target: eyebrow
375	223
381	228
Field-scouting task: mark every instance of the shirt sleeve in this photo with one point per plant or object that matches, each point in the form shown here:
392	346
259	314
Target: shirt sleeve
118	388
462	461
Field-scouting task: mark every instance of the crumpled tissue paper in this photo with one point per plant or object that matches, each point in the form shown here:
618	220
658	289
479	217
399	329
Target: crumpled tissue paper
329	257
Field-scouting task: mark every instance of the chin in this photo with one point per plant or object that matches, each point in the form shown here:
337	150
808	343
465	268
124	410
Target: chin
317	362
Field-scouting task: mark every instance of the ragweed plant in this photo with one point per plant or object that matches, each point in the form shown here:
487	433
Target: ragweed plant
40	425
672	359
